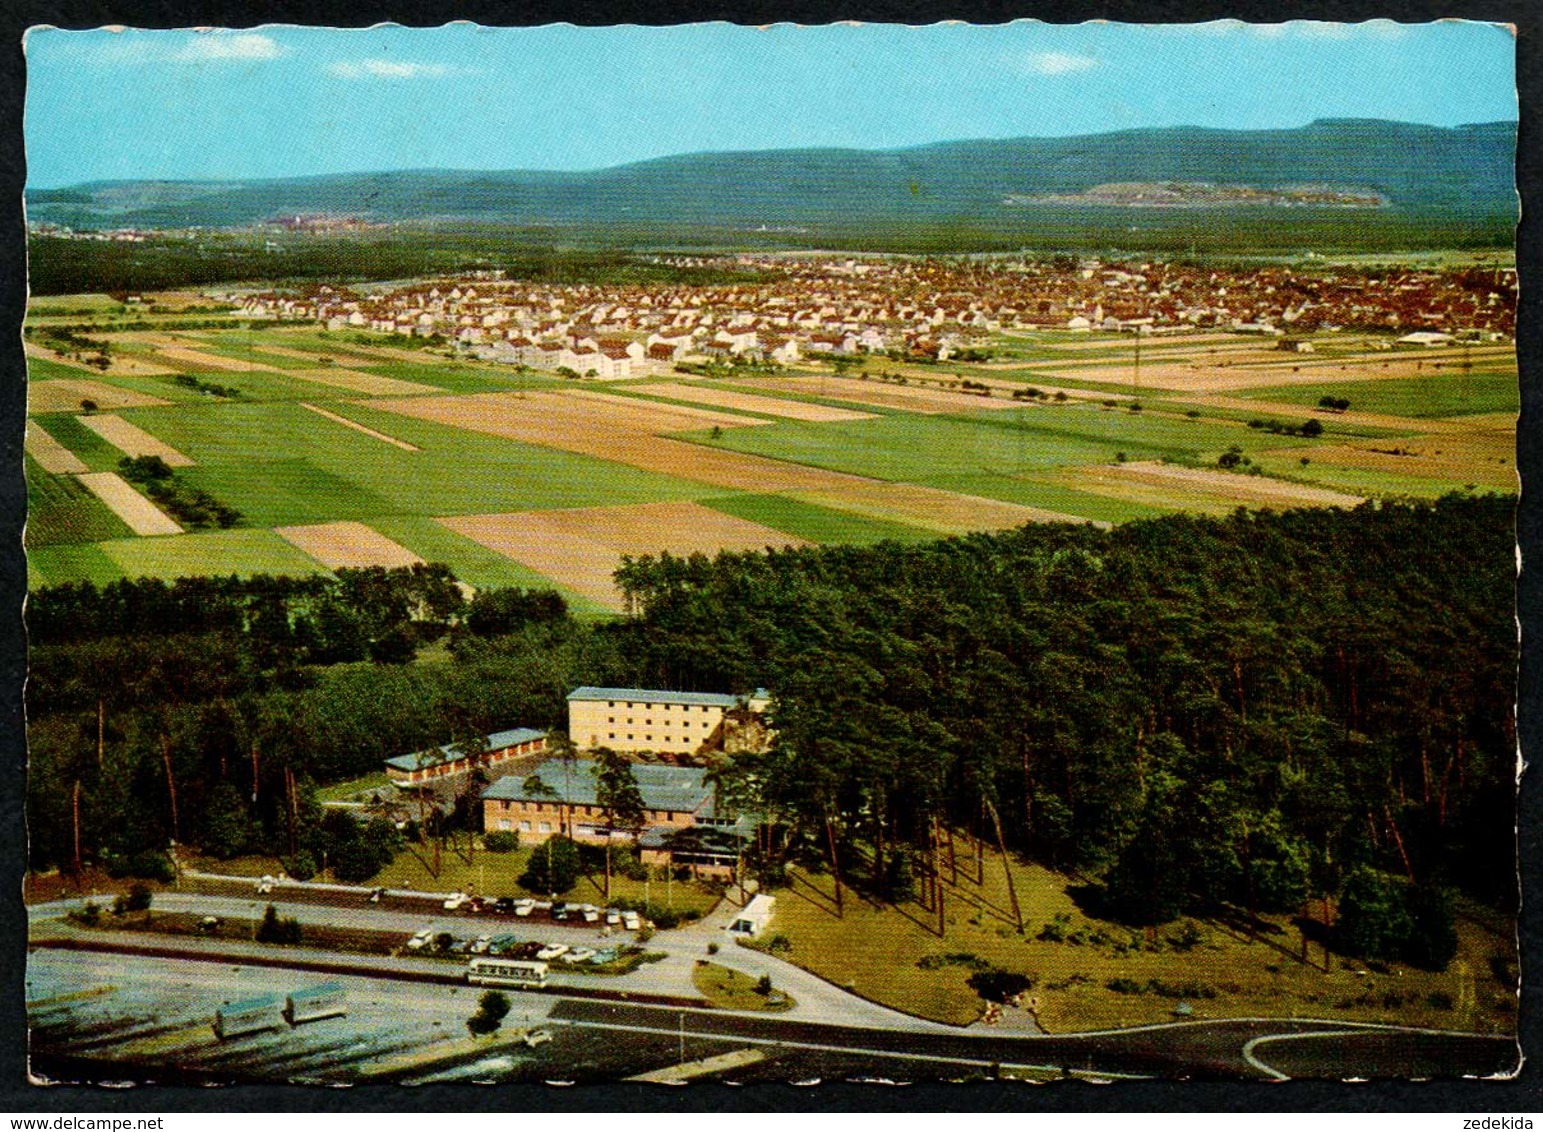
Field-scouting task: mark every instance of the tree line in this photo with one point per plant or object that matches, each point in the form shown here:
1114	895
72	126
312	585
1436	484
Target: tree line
1241	712
1201	712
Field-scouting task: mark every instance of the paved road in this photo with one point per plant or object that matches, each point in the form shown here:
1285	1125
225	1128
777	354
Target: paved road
815	1000
96	1016
828	1019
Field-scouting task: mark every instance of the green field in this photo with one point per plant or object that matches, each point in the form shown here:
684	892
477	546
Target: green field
60	510
243	552
85	562
920	449
815	523
96	453
1448	395
279	464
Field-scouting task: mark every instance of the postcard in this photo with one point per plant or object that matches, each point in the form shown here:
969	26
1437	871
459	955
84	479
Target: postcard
760	554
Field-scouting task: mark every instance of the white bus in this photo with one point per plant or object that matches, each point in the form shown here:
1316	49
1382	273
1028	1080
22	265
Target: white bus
492	970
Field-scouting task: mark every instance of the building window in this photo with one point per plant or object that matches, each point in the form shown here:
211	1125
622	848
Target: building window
546	827
612	735
525	827
505	823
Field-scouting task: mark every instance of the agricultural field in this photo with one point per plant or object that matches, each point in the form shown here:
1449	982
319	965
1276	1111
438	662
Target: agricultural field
353	449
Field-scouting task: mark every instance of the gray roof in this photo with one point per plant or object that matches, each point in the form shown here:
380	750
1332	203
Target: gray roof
434	756
681	789
654	696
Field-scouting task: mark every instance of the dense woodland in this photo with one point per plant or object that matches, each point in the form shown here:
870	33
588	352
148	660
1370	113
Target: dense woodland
59	265
1192	712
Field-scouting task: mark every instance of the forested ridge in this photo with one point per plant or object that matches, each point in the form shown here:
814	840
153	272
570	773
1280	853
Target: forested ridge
1250	710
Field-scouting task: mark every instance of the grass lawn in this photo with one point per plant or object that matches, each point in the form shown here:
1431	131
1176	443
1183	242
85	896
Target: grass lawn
60	510
734	990
497	874
238	551
345	791
1448	394
813	522
81	562
894	956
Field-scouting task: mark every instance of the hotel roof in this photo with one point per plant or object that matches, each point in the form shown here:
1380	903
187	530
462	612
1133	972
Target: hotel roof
435	756
652	696
680	789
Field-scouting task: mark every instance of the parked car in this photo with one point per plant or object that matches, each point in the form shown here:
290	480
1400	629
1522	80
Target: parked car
481	944
376	894
265	885
420	940
534	1038
504	905
632	921
580	955
524	907
552	951
455	901
477	904
560	910
591	914
612	916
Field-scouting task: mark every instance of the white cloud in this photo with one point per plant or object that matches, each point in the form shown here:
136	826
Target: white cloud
219	45
389	69
1060	63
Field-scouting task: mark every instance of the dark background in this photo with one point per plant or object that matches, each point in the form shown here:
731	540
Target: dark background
1524	1094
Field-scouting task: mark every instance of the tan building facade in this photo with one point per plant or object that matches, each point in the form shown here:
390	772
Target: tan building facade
561	798
641	719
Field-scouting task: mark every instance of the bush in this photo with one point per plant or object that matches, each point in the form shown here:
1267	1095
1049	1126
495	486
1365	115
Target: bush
763	985
91	914
1432	941
1383	917
138	899
150	864
1312	428
996	985
495	1004
1125	986
553	867
302	866
780	944
501	841
272	929
1373	921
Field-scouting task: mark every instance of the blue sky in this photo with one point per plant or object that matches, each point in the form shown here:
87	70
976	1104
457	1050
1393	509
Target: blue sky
287	101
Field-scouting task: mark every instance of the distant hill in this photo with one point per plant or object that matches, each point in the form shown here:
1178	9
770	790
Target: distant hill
1465	172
